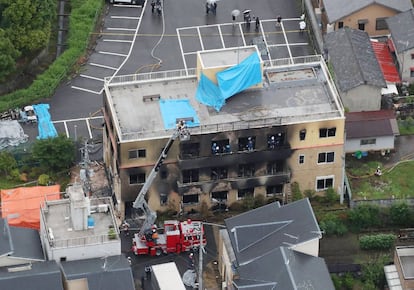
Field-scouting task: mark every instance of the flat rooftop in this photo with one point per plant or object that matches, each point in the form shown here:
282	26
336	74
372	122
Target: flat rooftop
293	93
406	257
57	217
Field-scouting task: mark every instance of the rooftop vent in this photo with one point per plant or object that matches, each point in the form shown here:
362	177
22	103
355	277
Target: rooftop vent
151	98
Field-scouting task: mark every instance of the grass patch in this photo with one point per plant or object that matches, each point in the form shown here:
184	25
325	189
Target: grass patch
396	182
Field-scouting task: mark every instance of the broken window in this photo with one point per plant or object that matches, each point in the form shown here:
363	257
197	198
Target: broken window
246	170
137	153
189	150
220	146
302	134
137	178
246	192
190	175
274	190
247	143
190	198
218	173
274	167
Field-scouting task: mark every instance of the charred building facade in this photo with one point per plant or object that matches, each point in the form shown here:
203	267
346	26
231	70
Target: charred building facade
288	128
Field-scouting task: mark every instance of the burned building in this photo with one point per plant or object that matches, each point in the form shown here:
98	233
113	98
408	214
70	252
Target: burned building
287	127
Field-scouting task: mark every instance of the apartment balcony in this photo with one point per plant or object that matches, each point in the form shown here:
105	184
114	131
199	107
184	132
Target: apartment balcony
236	182
227	159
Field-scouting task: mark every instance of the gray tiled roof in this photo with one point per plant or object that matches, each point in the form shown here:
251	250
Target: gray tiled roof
257	232
114	272
294	271
353	59
21	243
337	9
401	27
39	276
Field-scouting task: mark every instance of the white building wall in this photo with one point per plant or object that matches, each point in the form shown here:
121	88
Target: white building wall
382	143
85	252
406	63
310	248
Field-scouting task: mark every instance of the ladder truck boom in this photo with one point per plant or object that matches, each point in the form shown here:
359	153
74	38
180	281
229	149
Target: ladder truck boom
140	203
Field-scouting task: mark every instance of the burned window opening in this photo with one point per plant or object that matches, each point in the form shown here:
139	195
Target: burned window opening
220	147
189	150
246	192
190	176
247	143
275	140
218	173
246	170
190	198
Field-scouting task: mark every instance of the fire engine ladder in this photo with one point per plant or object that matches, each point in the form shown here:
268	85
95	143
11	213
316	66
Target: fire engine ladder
287	193
140	203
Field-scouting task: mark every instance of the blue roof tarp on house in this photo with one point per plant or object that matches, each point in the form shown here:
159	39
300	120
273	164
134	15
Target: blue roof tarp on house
230	82
171	110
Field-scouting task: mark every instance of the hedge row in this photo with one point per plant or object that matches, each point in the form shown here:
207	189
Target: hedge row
377	242
84	14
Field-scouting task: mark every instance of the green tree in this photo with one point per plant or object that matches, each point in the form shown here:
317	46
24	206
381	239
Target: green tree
28	23
54	154
400	214
333	225
364	216
7	162
8	56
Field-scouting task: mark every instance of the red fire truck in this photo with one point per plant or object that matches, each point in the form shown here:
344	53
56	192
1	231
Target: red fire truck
176	236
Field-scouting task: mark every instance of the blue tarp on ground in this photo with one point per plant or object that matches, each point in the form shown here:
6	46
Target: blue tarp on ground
230	82
171	110
44	122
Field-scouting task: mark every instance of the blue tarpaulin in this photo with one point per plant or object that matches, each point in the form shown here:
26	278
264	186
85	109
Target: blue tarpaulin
230	82
44	122
171	110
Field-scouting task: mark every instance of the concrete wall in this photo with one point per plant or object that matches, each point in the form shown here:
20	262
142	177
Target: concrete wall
371	13
382	143
362	98
406	63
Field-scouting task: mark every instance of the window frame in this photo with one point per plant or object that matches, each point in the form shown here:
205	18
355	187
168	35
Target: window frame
324	179
301	159
139	176
327	132
371	141
139	153
381	24
245	190
191	202
326	159
340	24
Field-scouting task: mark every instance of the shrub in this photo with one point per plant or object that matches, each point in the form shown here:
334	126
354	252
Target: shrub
296	193
331	196
333	225
309	193
400	214
364	216
43	179
377	242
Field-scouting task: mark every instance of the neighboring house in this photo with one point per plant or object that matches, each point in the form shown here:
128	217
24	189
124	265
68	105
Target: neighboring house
365	15
298	106
273	247
19	245
400	275
79	227
358	75
370	131
109	273
401	27
33	276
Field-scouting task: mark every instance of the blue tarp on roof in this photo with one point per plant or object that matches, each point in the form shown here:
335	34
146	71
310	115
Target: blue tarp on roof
171	110
230	82
44	122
